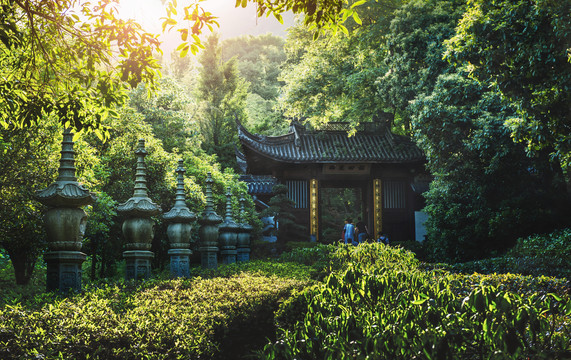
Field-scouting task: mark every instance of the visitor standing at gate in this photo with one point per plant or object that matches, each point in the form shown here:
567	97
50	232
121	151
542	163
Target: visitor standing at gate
362	231
349	232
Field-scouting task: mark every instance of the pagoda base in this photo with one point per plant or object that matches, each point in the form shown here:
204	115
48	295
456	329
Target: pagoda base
243	254
209	257
138	264
180	262
228	256
64	270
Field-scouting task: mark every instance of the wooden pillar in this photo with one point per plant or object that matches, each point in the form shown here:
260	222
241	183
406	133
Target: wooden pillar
313	209
378	207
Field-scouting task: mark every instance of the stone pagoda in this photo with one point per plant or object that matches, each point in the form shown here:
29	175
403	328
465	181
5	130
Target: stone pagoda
65	222
208	231
244	234
179	229
138	227
228	233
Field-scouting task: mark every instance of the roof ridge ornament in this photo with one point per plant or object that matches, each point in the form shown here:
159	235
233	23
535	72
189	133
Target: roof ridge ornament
296	128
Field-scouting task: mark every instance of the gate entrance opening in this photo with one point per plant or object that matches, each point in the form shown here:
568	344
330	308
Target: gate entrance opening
338	204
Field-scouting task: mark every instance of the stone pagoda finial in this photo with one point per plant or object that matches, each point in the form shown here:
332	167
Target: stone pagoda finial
180	212
244	233
228	233
66	191
65	222
140	204
138	227
228	217
179	229
208	231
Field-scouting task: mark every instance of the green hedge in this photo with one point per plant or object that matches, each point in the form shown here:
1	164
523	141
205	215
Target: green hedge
260	267
180	319
547	254
374	302
379	304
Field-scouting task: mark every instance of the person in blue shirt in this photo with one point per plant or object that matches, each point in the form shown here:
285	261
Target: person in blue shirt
349	229
383	238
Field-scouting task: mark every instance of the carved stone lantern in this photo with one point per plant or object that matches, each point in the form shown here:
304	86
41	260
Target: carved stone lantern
179	229
208	231
65	222
244	233
228	233
138	227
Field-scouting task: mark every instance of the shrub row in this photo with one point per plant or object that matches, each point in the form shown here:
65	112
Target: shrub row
547	254
375	302
379	304
265	268
178	319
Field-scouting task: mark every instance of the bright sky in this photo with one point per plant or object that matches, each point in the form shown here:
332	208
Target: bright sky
145	12
233	21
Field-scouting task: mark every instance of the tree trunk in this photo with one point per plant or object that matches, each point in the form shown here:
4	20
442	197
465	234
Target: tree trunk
94	248
23	264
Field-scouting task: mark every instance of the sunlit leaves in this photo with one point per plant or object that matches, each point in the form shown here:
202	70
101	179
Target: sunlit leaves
320	16
55	61
196	18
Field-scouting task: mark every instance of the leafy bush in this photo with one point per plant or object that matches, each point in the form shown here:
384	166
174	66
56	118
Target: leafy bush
379	304
258	267
522	285
198	319
316	256
415	246
307	253
10	294
536	255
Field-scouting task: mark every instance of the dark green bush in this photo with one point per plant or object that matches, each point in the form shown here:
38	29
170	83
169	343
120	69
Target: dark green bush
537	255
416	247
193	319
379	304
315	256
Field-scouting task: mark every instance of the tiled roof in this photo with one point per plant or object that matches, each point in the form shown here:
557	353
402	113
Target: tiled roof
301	146
241	160
259	184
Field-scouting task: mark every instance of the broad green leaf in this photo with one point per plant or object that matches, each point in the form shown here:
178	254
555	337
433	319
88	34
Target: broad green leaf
555	296
419	301
184	50
357	18
358	3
